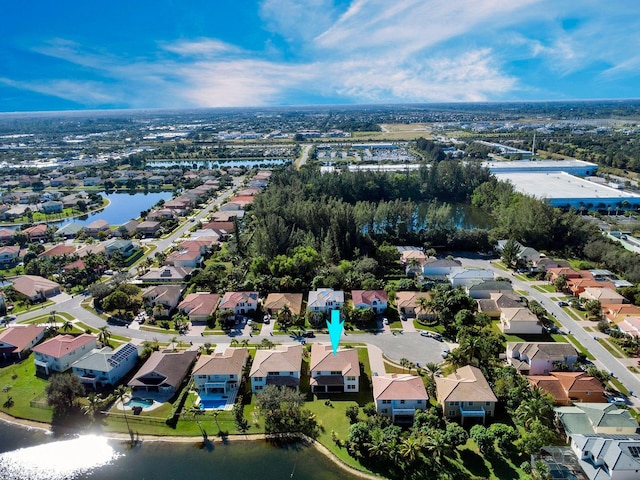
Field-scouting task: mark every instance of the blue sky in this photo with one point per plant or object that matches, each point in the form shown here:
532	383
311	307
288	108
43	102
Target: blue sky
69	54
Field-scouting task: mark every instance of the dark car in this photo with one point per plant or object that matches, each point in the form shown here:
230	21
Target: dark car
308	334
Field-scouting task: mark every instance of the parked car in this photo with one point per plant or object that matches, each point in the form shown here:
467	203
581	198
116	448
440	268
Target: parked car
385	320
563	304
435	336
445	353
617	400
308	334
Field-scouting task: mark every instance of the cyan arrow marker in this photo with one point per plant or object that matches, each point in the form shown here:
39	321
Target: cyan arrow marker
335	330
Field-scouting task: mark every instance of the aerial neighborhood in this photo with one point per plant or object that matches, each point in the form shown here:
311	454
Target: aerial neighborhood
184	287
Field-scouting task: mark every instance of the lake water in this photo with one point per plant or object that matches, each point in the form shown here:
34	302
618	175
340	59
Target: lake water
123	207
216	164
27	454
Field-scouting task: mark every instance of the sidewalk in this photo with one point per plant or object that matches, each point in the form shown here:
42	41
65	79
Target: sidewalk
376	361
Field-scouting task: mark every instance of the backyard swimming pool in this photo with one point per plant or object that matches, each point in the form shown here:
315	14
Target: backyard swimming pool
139	402
212	403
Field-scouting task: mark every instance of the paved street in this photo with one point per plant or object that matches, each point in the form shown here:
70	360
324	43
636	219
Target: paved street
604	359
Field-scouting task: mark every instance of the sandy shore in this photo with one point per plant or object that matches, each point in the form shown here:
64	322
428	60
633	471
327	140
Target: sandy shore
196	439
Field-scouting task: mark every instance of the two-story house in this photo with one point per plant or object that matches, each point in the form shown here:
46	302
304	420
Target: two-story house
279	367
325	299
58	353
466	394
608	457
166	297
538	358
519	321
398	396
569	387
9	255
334	373
199	306
220	373
105	366
239	302
374	299
17	340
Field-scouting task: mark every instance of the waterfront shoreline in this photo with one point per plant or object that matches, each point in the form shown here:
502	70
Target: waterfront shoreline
46	427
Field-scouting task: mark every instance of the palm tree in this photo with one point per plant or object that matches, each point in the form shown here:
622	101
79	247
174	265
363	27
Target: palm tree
424	304
244	343
410	448
234	342
104	334
67	325
404	362
285	316
95	404
378	444
433	369
120	392
435	444
539	406
52	316
172	343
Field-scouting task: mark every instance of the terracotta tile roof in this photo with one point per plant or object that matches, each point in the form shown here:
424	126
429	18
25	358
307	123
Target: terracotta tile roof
36	229
563	386
275	301
226	226
32	285
79	264
399	387
61	345
228	363
410	299
231	299
200	303
59	250
283	359
465	384
20	336
367	296
345	360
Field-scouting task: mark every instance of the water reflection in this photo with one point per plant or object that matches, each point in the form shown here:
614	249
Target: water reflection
66	459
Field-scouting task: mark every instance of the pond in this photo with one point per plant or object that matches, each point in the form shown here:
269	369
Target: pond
123	207
27	454
217	164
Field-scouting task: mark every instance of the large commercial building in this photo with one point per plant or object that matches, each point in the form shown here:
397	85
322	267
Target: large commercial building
564	190
572	166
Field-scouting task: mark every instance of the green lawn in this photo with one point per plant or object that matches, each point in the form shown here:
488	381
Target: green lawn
612	349
19	382
580	348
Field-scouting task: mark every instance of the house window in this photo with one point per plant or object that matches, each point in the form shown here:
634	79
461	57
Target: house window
471	404
401	402
336	372
257	379
386	402
351	387
259	387
452	413
384	410
487	404
418	402
455	404
351	379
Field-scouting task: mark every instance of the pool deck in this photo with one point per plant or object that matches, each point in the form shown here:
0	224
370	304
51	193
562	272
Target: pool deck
230	400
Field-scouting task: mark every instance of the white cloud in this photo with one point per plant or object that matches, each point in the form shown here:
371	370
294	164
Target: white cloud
205	47
297	20
82	92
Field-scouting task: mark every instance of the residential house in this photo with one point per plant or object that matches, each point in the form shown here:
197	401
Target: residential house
603	295
17	340
630	326
227	216
325	299
230	206
275	302
59	250
149	228
105	366
127	229
161	214
568	272
95	228
35	288
228	227
616	313
484	288
412	258
538	358
519	321
220	373
240	303
58	353
163	372
441	268
185	257
167	274
466	278
166	296
6	235
407	304
578	285
70	230
398	396
280	366
52	206
199	306
569	387
493	305
608	457
595	419
375	299
9	255
91	181
124	246
37	232
466	394
334	373
95	249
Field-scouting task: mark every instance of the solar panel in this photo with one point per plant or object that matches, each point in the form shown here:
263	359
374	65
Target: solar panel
635	451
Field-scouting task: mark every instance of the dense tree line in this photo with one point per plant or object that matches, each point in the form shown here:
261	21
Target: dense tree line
342	214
